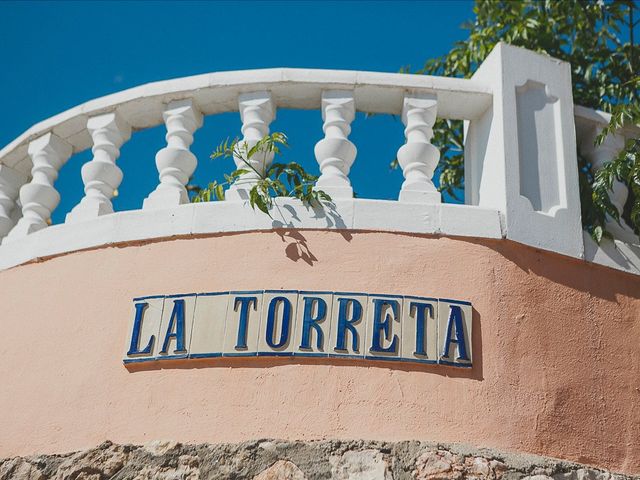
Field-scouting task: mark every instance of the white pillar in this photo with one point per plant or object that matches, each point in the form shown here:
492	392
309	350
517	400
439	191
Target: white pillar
418	158
520	154
10	183
256	112
335	153
101	176
175	162
39	198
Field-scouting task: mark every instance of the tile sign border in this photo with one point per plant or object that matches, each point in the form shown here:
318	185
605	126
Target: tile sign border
300	323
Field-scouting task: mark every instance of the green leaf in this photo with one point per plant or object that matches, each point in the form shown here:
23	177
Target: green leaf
220	192
597	234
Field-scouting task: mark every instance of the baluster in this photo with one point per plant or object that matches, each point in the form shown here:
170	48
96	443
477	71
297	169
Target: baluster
598	156
256	112
175	162
10	183
39	198
417	157
16	213
335	153
101	176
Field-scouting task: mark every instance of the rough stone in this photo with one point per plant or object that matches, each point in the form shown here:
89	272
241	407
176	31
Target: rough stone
280	460
433	465
360	465
281	470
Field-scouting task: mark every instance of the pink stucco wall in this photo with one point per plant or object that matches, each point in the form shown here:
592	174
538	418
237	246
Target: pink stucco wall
556	351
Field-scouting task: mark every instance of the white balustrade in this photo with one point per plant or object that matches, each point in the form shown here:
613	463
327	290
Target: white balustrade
16	212
335	153
418	158
257	111
598	156
39	198
519	152
175	162
10	183
101	176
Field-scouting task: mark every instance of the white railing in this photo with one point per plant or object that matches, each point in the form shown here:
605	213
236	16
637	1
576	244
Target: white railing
624	251
520	164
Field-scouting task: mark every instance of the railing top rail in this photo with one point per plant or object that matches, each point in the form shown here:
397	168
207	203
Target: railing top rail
585	115
293	88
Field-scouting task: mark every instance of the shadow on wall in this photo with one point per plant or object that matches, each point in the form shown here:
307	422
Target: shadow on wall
297	247
596	280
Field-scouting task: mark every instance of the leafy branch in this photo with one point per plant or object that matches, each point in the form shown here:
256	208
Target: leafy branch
278	180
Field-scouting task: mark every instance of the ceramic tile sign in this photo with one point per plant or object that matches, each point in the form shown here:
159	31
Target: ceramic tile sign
293	323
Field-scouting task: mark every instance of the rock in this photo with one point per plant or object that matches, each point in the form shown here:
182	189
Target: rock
18	468
105	461
360	465
511	475
588	474
478	467
497	469
160	447
268	446
436	465
281	470
282	460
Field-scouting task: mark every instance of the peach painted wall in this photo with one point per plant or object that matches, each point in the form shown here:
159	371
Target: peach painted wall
556	349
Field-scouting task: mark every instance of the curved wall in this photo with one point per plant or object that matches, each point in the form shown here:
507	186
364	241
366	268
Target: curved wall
556	358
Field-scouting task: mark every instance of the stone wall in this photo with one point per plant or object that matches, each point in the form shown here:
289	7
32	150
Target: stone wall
280	460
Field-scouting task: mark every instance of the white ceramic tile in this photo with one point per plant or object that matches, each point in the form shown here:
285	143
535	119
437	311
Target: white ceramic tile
209	320
353	307
454	332
317	307
237	341
148	318
278	322
383	330
420	314
176	325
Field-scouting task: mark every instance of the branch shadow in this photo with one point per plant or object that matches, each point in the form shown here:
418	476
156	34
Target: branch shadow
288	228
297	247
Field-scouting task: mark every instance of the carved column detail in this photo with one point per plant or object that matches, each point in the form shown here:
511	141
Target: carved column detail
417	157
175	162
101	176
598	156
257	111
39	198
10	183
335	153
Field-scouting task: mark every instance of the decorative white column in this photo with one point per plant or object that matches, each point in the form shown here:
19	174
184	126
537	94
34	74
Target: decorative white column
418	158
335	153
101	176
256	112
520	153
39	198
175	162
598	156
10	183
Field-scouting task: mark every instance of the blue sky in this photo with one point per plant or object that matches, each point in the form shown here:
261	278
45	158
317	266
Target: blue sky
55	55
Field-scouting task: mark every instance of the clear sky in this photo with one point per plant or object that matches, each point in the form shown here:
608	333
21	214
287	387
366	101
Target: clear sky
55	55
